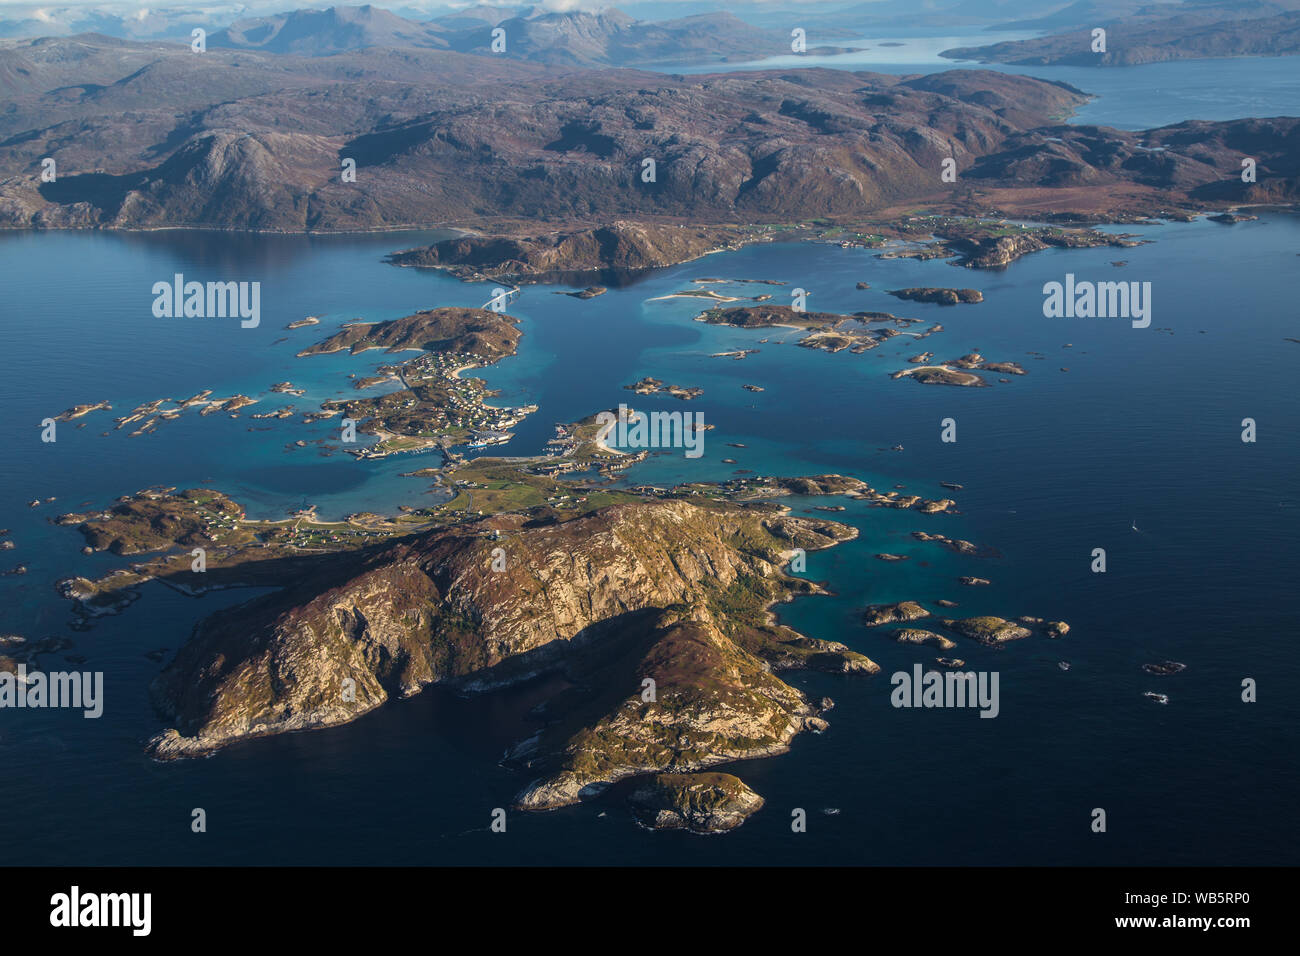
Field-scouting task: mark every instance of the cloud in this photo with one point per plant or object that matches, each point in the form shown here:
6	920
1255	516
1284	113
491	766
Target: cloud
568	6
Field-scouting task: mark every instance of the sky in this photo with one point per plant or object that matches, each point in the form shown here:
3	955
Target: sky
13	9
118	7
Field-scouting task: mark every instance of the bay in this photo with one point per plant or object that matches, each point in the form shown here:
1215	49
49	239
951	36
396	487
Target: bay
1144	429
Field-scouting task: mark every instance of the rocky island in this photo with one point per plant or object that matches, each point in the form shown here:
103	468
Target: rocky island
958	371
938	296
472	592
984	629
435	408
686	610
699	802
653	386
369	608
614	253
828	331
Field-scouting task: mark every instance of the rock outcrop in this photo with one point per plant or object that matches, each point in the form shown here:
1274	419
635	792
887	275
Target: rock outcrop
938	296
483	332
714	702
441	605
909	635
699	802
987	629
615	252
878	614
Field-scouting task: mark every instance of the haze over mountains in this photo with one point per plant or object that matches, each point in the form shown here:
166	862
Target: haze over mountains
333	30
593	35
576	38
132	20
605	36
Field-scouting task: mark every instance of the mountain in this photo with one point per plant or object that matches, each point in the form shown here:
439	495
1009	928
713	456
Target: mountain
1202	32
152	135
895	15
570	38
125	21
612	38
648	581
477	145
1090	13
825	21
329	31
475	18
602	253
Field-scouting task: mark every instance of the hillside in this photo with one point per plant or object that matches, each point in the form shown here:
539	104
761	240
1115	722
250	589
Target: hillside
1220	31
152	136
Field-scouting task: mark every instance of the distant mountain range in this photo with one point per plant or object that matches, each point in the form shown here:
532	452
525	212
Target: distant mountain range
138	22
573	38
330	31
578	38
1139	31
831	19
1151	35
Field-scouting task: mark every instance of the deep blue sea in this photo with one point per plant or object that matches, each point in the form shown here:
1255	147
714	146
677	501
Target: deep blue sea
1143	430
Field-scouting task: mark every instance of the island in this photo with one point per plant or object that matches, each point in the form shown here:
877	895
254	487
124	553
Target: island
77	411
938	296
910	635
653	386
699	802
659	615
984	629
956	371
878	614
466	592
436	409
615	253
828	331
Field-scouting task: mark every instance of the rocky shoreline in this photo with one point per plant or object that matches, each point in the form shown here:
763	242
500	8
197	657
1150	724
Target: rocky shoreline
655	605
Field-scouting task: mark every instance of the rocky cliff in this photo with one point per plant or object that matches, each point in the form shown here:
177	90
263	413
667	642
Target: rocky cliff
713	701
498	600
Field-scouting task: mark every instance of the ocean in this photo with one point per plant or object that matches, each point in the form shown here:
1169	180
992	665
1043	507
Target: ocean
1143	431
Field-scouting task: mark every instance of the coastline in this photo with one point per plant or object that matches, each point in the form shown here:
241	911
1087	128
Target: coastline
513	227
823	623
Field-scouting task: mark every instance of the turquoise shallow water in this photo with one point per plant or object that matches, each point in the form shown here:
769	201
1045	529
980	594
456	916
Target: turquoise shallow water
1143	428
